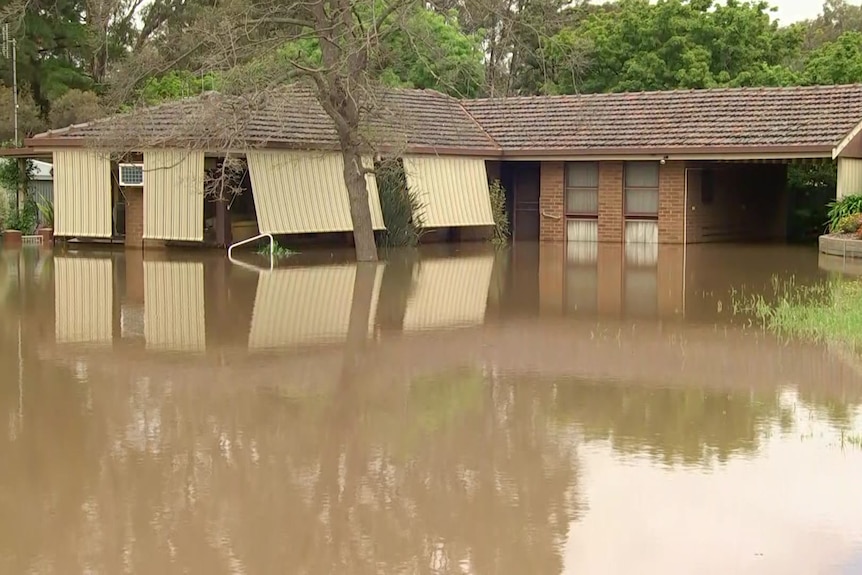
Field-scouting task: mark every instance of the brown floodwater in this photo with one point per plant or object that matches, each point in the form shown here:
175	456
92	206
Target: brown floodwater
453	410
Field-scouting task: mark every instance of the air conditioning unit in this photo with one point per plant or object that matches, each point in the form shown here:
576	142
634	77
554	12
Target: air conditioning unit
132	175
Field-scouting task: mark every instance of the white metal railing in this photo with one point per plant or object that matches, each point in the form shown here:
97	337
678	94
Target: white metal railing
248	241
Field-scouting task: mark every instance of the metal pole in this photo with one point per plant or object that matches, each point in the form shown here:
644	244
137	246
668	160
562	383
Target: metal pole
15	84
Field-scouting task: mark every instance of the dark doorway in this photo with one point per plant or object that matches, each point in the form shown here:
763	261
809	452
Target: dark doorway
525	224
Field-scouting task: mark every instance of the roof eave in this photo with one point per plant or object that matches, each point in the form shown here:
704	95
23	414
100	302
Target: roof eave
26	152
78	142
673	153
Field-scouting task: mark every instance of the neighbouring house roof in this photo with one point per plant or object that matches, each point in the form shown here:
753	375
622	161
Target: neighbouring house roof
423	120
42	170
744	119
817	120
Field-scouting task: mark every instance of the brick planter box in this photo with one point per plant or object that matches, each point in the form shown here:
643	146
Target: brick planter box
11	239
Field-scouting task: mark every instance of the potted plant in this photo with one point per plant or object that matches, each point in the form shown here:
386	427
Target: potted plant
12	233
46	217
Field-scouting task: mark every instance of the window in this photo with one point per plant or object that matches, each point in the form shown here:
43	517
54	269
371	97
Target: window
641	189
582	201
582	189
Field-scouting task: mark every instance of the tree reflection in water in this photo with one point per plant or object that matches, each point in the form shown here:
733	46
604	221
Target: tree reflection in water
451	474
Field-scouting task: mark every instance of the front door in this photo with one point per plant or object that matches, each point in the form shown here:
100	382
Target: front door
525	227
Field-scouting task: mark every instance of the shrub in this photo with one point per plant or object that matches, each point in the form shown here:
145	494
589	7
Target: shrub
846	206
4	209
276	250
23	220
45	208
400	205
498	209
849	224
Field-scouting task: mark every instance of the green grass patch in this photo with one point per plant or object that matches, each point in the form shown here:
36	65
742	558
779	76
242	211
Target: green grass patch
276	250
829	311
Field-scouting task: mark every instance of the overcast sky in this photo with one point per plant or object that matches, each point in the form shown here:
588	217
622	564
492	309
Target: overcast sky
793	10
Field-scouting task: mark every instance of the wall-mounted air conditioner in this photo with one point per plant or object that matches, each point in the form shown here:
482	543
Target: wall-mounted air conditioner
132	175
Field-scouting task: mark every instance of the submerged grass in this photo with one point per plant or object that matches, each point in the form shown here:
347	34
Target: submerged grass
278	250
829	311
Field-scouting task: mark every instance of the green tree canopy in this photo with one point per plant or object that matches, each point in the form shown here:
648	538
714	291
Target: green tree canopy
838	62
638	45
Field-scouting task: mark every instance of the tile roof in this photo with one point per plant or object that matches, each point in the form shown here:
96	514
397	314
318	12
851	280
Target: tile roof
741	119
761	118
290	118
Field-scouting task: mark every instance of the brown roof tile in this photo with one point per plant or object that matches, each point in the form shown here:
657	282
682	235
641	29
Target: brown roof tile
694	119
290	118
753	119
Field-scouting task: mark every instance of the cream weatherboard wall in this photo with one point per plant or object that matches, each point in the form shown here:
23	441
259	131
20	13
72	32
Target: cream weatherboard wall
849	177
82	194
304	192
453	190
174	195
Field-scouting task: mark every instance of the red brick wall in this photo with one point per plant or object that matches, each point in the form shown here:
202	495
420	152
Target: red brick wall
671	203
750	202
134	217
551	202
611	202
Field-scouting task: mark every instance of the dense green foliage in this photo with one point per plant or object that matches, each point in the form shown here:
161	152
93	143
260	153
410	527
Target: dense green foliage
502	230
401	206
75	64
812	187
841	209
468	48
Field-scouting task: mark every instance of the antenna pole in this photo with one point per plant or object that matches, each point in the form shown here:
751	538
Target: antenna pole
15	84
8	42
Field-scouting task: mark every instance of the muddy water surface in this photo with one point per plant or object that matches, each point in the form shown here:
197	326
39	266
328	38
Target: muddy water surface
554	410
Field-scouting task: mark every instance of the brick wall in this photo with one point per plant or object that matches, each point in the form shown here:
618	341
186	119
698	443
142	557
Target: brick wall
749	202
611	202
551	202
671	203
134	217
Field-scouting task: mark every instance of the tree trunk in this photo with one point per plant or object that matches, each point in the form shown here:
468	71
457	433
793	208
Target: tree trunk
360	213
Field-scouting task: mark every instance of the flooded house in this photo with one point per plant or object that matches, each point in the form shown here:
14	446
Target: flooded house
674	167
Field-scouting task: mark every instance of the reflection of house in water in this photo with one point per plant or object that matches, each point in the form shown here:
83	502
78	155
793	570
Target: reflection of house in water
319	304
310	305
174	305
636	280
172	317
84	296
449	292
